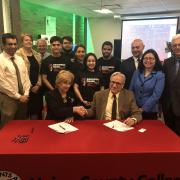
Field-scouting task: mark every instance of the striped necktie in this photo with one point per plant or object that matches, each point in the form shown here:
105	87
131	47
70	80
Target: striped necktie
20	86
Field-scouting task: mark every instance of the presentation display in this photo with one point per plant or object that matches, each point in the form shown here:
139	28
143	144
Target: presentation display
154	33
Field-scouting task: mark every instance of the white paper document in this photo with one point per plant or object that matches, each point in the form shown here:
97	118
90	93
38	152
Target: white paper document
118	126
63	127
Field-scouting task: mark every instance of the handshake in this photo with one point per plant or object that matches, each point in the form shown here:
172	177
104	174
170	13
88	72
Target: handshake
80	110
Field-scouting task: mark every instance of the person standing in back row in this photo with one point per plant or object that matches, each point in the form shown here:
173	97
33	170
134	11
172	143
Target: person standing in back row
14	82
147	84
32	61
171	96
107	64
53	64
129	65
67	48
42	48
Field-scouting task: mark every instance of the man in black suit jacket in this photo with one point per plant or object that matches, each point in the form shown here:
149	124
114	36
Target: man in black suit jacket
129	65
171	96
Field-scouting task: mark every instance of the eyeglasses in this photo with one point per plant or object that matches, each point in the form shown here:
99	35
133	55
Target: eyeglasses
175	45
117	83
149	58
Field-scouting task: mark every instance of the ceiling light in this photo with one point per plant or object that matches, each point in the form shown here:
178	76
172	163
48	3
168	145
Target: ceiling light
103	11
117	16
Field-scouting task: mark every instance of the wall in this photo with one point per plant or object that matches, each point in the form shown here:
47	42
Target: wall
1	19
103	29
33	21
6	16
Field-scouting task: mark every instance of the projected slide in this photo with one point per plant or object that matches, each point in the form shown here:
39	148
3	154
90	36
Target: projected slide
154	33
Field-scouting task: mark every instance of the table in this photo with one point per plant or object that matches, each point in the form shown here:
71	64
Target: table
33	151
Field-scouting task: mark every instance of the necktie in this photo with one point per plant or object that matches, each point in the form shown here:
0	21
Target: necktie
114	107
138	60
177	65
20	86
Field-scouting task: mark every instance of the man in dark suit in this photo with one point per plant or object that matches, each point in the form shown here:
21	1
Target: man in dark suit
125	108
129	65
171	96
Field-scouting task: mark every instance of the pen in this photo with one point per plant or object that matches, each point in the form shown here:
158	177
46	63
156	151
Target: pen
62	127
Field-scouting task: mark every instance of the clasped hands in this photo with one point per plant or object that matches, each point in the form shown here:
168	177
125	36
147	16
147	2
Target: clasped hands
24	99
80	110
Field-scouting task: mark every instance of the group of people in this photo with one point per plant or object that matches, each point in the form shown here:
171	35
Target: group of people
77	85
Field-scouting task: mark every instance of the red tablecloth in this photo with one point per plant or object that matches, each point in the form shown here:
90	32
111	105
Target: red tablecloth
92	152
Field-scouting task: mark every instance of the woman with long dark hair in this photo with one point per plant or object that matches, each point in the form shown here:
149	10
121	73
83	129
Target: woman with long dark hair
88	82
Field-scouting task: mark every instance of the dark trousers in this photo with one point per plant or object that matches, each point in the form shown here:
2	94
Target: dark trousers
172	121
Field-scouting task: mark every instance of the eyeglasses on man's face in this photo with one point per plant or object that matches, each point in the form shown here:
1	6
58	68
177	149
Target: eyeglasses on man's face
176	45
116	83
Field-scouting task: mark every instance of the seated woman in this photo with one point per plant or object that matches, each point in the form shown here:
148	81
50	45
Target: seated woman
60	105
148	83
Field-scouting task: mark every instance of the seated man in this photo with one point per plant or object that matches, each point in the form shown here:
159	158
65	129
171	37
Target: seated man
115	102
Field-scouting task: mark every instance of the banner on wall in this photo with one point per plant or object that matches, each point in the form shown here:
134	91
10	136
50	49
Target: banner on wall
50	26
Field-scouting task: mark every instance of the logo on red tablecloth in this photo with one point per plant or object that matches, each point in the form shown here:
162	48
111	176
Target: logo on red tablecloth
7	175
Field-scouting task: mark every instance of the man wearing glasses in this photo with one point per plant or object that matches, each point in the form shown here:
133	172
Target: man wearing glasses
115	102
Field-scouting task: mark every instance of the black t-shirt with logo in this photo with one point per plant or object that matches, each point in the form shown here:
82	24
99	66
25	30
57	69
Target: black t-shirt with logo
107	67
89	83
68	55
51	66
75	66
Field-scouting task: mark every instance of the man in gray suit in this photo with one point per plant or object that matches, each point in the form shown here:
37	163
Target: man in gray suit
171	96
124	101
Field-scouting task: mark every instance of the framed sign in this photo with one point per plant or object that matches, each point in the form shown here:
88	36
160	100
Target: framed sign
50	25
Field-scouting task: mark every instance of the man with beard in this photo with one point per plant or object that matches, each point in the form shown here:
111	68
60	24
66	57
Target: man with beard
67	52
107	64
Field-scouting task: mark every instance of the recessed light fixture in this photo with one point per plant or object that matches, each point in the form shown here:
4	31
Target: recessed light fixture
117	16
103	11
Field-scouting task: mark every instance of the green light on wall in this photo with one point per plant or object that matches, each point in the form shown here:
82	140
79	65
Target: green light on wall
89	46
74	28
